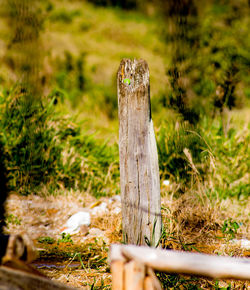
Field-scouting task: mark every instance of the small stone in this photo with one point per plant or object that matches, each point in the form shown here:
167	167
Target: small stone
166	183
75	222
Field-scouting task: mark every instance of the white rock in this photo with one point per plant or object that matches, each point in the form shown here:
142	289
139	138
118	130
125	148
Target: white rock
75	222
100	209
166	183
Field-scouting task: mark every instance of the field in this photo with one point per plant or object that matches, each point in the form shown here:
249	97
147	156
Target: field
59	128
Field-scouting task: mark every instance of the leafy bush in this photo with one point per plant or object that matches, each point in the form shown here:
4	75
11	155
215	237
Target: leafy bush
172	140
70	78
231	156
219	156
41	147
30	142
209	56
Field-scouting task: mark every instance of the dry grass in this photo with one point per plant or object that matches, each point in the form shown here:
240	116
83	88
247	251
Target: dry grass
189	223
193	225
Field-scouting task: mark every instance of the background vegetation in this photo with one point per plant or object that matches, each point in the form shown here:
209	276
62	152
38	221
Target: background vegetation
58	118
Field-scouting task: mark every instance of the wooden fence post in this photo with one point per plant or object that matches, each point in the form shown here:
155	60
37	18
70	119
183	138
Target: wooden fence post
139	169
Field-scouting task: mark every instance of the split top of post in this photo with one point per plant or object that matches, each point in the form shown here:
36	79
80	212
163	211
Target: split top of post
132	74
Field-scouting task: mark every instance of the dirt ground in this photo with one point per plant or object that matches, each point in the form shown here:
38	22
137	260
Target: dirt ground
80	260
44	218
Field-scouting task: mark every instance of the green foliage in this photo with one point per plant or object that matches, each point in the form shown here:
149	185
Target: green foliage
124	4
91	255
46	240
64	16
152	242
231	156
66	238
217	287
12	219
175	281
216	154
172	140
30	145
230	228
70	77
209	59
41	147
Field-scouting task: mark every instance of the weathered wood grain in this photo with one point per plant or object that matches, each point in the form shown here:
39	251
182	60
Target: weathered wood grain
188	263
139	170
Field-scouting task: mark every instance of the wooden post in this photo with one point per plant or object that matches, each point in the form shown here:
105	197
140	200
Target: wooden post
117	262
139	169
134	275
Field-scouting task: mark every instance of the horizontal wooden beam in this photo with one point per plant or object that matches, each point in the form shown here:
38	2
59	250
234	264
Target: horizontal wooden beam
185	262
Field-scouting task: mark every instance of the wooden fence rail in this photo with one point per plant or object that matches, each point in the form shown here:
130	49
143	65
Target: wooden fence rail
133	266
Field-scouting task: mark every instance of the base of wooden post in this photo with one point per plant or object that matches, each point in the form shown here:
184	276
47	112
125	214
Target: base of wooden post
134	274
117	270
130	274
148	284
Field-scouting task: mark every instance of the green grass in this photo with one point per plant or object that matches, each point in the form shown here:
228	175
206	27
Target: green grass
43	147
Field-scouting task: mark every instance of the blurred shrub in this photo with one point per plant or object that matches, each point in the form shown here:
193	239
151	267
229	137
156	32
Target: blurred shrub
25	20
43	148
124	4
70	76
221	160
230	177
209	55
172	139
63	15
